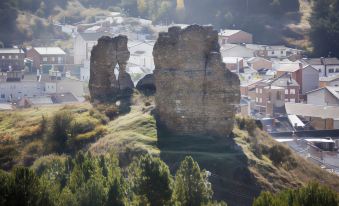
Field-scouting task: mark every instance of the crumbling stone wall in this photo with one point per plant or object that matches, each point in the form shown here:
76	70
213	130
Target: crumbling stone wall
196	94
105	56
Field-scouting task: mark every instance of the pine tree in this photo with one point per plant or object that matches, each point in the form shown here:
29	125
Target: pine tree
191	185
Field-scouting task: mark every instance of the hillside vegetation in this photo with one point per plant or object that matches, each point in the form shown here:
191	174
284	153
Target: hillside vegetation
239	167
271	21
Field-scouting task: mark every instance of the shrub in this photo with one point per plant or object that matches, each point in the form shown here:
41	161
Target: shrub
311	195
83	125
281	155
60	130
245	123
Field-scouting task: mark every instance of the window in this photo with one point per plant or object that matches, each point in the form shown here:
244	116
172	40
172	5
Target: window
292	91
3	57
260	91
286	91
9	57
292	100
2	96
16	57
337	70
44	59
331	70
256	99
53	59
257	90
272	52
60	60
281	52
260	100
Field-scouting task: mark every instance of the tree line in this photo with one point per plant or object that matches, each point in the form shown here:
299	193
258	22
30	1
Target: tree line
99	180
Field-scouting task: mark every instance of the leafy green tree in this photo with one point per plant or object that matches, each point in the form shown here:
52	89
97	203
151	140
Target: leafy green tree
152	180
191	186
325	28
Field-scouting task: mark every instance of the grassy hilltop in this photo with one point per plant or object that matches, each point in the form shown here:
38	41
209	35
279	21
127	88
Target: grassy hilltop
240	167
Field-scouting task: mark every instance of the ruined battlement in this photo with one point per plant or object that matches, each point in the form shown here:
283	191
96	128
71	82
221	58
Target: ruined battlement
105	56
196	94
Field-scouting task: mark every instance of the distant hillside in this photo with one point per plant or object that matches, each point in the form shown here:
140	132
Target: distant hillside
271	21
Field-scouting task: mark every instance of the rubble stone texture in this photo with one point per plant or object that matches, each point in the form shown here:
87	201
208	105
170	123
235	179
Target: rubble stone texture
105	57
196	94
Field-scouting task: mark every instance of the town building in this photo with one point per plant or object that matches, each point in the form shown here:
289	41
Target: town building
234	37
271	95
259	63
141	54
235	50
14	91
83	44
325	96
325	66
332	81
279	51
11	59
306	76
318	116
234	64
44	58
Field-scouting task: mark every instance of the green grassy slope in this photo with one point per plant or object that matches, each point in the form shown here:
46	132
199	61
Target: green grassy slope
238	173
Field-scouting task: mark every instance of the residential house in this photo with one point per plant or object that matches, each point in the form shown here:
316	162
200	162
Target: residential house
280	52
235	50
325	66
325	96
234	64
244	106
234	37
329	81
141	54
259	63
13	91
45	58
83	44
306	76
319	117
11	59
271	95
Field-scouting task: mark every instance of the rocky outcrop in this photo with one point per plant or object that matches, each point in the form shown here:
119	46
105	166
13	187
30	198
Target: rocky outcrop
105	57
196	94
146	84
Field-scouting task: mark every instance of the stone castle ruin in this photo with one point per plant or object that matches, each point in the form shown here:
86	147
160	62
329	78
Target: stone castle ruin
195	93
105	57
